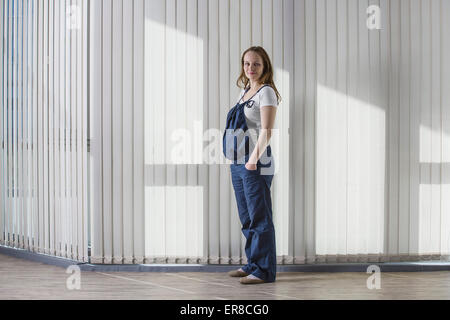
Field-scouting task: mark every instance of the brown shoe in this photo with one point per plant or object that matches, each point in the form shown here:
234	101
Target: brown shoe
248	280
237	273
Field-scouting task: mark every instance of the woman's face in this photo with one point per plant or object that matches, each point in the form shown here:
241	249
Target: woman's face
253	66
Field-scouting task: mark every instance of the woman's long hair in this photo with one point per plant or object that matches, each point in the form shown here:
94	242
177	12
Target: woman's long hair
266	77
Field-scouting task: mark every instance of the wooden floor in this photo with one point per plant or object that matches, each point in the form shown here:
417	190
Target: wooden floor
23	279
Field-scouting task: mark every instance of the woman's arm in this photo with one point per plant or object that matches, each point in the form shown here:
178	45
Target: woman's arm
267	122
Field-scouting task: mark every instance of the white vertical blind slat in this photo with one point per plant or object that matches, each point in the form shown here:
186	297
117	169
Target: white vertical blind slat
341	117
191	110
404	141
385	68
298	130
181	167
203	173
63	131
19	188
394	101
40	130
128	112
224	105
285	128
15	123
107	131
364	86
321	206
256	22
24	129
436	124
192	122
199	199
11	207
2	150
18	127
51	128
73	132
155	15
117	129
95	131
445	74
138	132
8	127
169	190
266	27
6	121
213	104
333	187
68	209
12	125
57	124
280	140
310	129
160	151
353	196
35	208
79	131
65	125
45	196
245	11
426	129
85	176
26	124
415	127
366	211
377	133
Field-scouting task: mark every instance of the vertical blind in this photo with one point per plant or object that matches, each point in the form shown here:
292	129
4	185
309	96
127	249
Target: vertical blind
360	147
382	131
44	127
361	144
162	75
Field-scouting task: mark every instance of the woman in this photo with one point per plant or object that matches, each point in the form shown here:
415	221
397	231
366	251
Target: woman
252	179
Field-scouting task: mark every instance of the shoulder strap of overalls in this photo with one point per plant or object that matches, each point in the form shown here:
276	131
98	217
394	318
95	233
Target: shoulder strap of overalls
265	85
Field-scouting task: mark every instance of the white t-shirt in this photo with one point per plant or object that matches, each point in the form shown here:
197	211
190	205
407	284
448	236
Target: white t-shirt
265	97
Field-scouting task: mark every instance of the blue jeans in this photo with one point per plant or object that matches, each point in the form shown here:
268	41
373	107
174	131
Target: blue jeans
252	191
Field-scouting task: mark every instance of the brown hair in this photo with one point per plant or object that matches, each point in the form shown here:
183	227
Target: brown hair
267	75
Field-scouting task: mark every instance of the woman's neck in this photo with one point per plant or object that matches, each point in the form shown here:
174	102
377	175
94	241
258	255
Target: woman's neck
255	85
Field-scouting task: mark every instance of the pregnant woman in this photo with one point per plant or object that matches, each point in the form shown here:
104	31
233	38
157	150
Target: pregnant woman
252	177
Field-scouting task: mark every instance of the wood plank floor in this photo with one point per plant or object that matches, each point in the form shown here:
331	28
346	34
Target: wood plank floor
23	279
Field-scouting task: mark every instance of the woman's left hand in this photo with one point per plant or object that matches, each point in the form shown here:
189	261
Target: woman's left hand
250	166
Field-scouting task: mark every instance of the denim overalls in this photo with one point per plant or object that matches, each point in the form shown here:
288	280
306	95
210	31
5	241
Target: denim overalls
252	191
